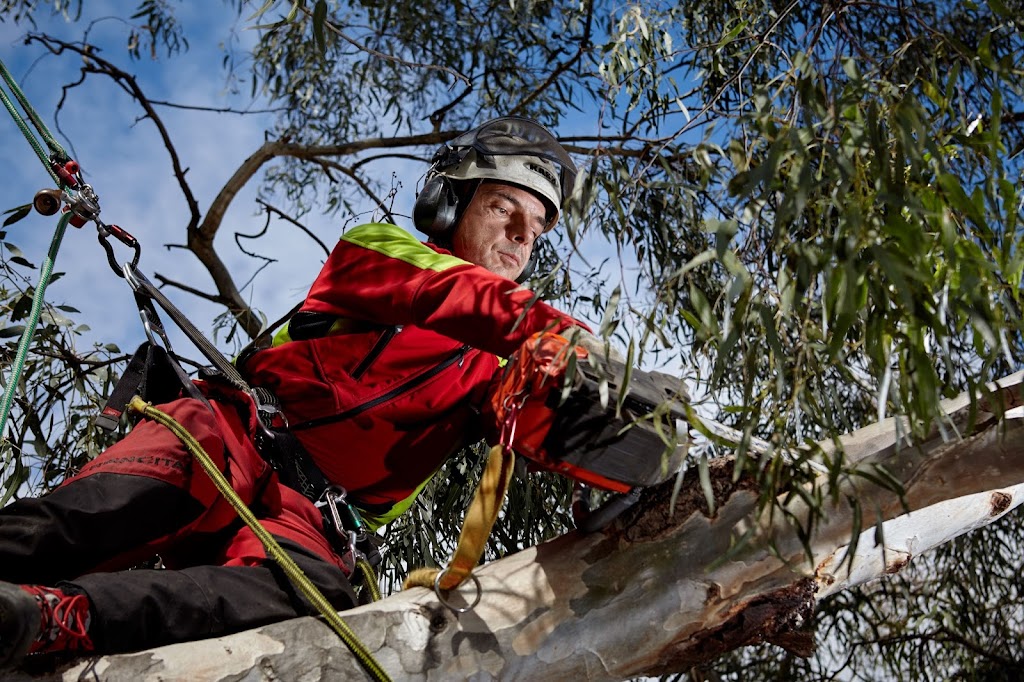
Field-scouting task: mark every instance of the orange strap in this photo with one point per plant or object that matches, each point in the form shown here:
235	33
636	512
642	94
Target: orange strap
480	518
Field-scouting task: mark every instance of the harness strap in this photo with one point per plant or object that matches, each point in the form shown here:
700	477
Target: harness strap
144	287
152	373
294	465
274	550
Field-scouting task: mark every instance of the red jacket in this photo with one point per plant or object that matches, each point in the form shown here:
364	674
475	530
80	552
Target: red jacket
393	389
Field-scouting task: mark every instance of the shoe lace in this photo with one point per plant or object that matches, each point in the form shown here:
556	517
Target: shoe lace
65	620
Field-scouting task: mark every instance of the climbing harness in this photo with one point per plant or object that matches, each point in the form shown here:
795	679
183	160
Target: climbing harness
276	552
155	368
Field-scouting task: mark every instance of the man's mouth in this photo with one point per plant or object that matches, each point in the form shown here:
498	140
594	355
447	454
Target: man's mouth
510	257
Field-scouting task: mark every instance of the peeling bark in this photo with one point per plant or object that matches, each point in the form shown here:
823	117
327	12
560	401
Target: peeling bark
650	595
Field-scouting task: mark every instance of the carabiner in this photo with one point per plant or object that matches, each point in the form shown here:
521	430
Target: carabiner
103	231
508	425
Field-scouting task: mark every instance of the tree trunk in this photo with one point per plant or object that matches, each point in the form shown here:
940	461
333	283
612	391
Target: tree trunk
657	591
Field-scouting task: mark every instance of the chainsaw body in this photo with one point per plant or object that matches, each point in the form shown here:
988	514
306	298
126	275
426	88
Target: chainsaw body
625	445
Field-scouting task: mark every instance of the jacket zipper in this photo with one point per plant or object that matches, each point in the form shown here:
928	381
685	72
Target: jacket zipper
382	341
412	383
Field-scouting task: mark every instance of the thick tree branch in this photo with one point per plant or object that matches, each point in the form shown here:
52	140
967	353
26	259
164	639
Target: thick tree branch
664	589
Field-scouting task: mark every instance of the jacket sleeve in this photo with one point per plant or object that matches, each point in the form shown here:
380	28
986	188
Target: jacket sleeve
382	274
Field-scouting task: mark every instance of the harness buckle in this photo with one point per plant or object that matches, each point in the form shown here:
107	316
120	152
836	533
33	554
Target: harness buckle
268	408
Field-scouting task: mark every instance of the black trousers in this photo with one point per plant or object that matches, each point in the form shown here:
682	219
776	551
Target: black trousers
72	536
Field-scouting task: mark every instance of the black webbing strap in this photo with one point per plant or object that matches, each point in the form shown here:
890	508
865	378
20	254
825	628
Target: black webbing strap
295	466
154	375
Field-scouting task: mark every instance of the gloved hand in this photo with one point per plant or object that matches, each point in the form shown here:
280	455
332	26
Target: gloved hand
599	350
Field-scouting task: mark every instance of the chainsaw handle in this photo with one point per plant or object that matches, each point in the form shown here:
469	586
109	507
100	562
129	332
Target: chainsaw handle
588	521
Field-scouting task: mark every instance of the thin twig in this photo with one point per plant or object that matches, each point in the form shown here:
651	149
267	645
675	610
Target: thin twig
284	216
387	57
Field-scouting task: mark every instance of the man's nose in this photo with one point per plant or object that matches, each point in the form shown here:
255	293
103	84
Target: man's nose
519	232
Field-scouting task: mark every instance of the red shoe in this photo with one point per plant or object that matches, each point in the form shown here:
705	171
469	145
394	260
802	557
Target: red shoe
37	619
19	624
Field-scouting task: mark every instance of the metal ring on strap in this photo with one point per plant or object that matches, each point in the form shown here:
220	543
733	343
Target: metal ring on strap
440	593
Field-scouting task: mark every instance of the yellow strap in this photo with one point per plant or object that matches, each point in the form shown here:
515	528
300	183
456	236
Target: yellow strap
480	518
274	550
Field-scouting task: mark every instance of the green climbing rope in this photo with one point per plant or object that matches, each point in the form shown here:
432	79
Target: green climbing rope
18	365
22	124
47	271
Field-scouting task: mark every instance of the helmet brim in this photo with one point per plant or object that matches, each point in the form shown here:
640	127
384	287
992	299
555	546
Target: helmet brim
517	136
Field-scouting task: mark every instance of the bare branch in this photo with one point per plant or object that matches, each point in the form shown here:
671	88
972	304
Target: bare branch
362	185
216	110
164	281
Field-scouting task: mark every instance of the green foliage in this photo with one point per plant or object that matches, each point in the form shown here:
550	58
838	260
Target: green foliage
60	390
25	10
154	23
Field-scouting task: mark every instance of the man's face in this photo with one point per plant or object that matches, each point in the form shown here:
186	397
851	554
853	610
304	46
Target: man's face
499	227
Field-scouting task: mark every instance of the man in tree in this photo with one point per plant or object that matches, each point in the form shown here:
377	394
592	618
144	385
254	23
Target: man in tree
370	387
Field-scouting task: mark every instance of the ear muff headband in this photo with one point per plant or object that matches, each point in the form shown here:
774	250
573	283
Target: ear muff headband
531	265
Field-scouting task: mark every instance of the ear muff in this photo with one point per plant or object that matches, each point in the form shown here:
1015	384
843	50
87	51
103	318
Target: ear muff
436	207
